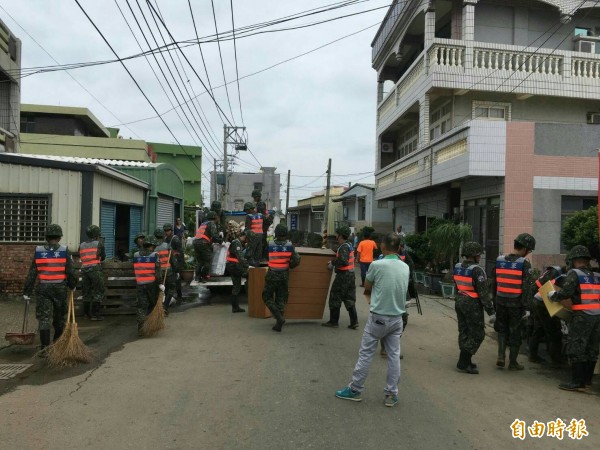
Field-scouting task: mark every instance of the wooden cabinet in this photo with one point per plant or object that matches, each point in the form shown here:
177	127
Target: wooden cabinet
309	285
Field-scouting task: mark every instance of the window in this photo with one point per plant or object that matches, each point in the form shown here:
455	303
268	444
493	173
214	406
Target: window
408	141
258	186
27	124
238	204
579	31
345	213
571	205
361	209
440	121
24	218
491	110
382	204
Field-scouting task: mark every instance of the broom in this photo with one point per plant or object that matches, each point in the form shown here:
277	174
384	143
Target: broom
69	349
155	321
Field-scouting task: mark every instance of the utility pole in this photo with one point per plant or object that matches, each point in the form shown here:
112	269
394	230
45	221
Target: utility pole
215	194
287	194
326	212
230	136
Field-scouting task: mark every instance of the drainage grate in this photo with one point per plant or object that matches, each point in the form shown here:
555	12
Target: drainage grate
8	371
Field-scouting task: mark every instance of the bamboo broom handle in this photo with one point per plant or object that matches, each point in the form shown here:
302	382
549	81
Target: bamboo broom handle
167	269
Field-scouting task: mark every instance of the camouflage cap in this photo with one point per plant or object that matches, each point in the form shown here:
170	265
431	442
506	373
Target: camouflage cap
579	251
159	233
151	241
211	215
472	249
167	227
141	234
93	231
281	230
215	205
256	193
343	231
526	240
248	206
54	230
261	207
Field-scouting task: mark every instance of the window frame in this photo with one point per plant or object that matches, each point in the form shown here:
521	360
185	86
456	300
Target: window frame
20	234
480	104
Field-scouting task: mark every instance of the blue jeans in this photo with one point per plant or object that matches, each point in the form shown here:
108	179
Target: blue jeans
363	271
388	329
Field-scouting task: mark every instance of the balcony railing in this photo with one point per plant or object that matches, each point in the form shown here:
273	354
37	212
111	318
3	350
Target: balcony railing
511	66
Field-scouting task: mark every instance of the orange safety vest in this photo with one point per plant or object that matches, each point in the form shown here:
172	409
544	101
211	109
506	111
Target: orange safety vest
163	255
463	277
51	264
509	277
145	268
350	266
590	293
88	253
230	258
280	256
200	232
256	224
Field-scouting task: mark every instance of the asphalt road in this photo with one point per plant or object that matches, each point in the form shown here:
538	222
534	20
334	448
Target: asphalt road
216	380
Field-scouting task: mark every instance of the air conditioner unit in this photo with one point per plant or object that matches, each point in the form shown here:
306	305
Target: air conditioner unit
387	147
593	118
586	46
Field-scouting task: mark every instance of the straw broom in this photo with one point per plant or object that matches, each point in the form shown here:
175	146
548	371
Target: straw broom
155	321
69	349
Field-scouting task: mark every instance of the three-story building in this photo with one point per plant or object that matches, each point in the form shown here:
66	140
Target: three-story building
488	112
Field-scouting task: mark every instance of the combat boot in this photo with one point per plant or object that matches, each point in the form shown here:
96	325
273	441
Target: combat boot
534	357
464	363
235	305
578	373
353	318
334	318
44	343
280	320
589	373
501	361
87	310
513	364
58	331
96	312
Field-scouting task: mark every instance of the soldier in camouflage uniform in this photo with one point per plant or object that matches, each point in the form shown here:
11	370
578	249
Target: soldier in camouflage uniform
473	297
92	253
256	196
138	244
146	265
218	209
512	284
543	324
282	257
178	255
582	287
53	266
254	222
261	208
236	264
343	287
206	235
167	261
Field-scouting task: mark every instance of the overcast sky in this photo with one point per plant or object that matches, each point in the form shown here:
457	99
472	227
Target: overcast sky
297	114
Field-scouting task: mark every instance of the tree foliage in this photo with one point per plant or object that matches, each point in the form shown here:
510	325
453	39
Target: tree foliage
582	229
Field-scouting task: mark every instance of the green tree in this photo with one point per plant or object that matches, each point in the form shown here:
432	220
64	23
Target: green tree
582	229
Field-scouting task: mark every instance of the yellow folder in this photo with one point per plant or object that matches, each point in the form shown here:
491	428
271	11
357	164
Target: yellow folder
554	308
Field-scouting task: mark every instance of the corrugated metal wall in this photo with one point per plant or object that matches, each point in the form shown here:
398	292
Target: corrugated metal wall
66	200
135	223
165	213
108	212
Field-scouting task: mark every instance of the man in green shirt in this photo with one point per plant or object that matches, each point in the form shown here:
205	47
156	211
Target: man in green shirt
385	287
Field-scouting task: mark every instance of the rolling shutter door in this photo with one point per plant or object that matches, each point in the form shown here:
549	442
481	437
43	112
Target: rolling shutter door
135	223
108	212
166	210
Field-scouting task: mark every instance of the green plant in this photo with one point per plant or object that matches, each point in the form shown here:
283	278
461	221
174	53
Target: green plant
297	237
314	240
189	260
445	241
418	249
582	229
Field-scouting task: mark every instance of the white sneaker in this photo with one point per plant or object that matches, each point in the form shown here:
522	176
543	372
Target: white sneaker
194	283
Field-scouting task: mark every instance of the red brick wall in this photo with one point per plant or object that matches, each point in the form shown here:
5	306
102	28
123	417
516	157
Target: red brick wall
15	260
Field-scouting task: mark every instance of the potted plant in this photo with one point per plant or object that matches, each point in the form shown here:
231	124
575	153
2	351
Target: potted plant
447	285
189	264
445	241
417	246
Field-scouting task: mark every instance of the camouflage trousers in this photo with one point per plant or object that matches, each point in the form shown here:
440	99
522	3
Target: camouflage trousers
275	294
170	286
51	305
92	285
471	325
584	337
203	253
147	294
544	325
343	290
236	273
255	249
509	322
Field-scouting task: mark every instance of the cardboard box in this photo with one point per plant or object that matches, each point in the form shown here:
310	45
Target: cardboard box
554	308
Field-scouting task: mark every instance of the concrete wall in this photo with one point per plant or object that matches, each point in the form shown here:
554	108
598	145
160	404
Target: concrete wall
405	213
241	186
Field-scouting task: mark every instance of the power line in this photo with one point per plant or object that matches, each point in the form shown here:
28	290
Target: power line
221	57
